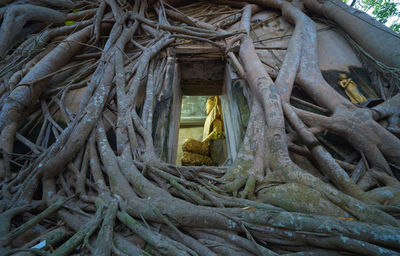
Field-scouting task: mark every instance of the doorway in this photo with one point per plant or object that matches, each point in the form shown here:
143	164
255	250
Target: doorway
192	78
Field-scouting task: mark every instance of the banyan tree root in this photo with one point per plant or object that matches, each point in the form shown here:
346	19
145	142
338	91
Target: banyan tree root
15	18
82	191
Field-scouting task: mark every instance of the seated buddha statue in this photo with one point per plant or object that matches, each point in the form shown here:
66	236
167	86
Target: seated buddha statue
350	88
197	152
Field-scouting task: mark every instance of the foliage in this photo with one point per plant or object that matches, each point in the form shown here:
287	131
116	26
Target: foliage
385	11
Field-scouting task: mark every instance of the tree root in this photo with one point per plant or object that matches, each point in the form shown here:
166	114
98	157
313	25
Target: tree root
17	16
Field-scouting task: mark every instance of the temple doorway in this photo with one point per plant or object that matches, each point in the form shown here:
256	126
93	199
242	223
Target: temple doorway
196	72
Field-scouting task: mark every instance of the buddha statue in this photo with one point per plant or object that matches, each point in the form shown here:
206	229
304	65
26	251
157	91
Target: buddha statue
350	88
213	126
198	152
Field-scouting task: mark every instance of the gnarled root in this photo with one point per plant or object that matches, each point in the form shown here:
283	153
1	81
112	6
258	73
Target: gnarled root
17	16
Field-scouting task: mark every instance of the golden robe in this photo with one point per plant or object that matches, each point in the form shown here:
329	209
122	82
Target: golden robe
197	152
350	88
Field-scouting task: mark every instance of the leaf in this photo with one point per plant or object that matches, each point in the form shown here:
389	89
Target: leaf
249	208
40	245
344	218
70	22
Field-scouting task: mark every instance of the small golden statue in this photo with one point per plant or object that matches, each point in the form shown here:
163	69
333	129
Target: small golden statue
350	88
197	152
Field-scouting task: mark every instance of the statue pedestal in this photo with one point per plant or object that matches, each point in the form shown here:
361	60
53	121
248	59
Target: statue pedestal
218	151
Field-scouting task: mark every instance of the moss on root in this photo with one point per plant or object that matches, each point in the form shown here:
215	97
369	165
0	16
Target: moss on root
296	197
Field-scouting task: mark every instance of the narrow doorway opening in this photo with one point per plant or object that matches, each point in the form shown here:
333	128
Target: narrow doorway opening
197	73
